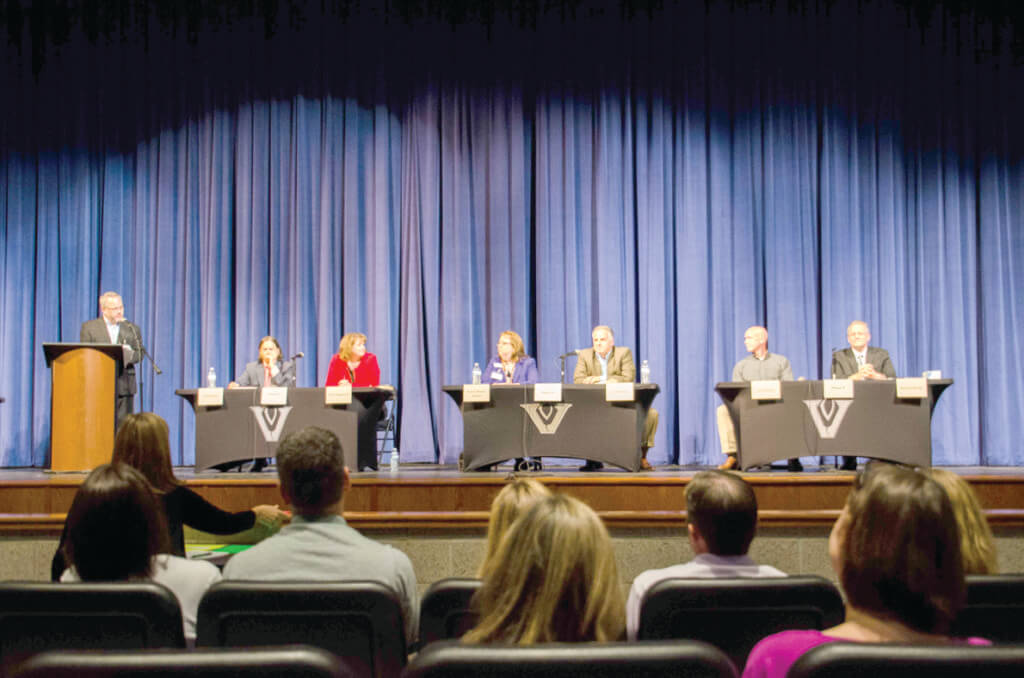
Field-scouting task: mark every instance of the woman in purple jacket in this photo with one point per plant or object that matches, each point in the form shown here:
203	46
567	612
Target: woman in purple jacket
512	366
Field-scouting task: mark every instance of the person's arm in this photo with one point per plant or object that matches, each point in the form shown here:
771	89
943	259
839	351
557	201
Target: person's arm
786	374
530	375
887	367
244	379
737	371
627	370
335	371
579	375
200	514
286	374
370	369
487	373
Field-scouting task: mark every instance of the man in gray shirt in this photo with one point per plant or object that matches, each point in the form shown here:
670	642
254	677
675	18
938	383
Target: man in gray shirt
759	365
318	545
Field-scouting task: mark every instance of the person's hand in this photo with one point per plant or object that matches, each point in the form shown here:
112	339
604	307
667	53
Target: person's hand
232	384
270	516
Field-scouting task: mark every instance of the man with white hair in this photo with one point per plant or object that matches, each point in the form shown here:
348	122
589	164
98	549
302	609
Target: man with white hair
112	328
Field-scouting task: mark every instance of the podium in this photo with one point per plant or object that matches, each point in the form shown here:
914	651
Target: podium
82	403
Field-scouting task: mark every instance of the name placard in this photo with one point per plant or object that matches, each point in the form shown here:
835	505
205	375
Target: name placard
766	389
338	395
912	387
273	395
210	397
837	389
476	393
619	391
547	393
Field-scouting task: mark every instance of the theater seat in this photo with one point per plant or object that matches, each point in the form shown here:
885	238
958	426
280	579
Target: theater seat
37	616
734	614
360	621
995	608
888	660
294	661
452	659
445	609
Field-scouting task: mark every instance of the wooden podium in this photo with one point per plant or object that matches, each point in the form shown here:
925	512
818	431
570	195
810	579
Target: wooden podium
82	403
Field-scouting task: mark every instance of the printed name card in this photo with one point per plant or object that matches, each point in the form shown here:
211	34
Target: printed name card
547	393
766	389
210	397
273	395
912	387
338	395
837	389
476	393
619	391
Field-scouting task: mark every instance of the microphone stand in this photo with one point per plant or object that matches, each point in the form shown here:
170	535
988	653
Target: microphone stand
145	354
561	359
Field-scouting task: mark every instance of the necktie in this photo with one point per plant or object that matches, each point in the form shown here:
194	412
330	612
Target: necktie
860	360
266	376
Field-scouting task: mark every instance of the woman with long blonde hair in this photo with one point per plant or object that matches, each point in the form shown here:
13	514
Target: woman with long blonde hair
977	544
513	500
554	579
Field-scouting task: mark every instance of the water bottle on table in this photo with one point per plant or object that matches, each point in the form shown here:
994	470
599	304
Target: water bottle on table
211	378
476	373
645	373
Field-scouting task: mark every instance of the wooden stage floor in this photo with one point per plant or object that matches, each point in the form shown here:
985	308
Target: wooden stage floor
429	496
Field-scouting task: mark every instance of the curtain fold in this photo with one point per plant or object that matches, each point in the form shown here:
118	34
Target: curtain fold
677	172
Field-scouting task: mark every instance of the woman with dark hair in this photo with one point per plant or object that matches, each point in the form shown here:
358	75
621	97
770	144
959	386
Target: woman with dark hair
116	532
268	369
554	579
353	364
142	443
896	549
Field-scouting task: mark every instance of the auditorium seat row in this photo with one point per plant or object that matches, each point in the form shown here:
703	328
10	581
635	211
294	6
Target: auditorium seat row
362	622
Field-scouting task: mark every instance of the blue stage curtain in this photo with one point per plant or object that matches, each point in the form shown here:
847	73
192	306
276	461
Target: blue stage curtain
677	172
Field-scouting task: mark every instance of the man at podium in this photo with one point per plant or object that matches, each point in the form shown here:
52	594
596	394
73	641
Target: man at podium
112	328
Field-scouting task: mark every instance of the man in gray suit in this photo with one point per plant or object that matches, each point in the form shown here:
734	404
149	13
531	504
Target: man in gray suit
112	328
858	362
604	363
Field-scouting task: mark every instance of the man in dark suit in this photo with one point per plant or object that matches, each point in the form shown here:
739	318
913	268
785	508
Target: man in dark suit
860	361
112	328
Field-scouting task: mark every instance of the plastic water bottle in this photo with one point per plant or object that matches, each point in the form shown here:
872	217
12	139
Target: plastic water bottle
394	460
645	373
476	373
211	378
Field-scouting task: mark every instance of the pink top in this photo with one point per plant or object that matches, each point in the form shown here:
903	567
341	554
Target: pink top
776	654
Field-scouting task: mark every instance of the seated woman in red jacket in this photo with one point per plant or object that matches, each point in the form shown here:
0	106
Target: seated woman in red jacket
353	364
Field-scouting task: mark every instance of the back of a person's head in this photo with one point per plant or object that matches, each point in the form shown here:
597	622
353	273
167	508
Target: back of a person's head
115	525
142	443
513	500
723	507
977	545
311	468
898	550
554	579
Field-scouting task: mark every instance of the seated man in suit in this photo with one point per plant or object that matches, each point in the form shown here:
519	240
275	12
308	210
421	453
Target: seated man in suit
318	545
604	363
759	365
860	361
721	520
112	328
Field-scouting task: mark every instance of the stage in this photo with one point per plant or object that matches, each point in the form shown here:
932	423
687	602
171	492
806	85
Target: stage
431	497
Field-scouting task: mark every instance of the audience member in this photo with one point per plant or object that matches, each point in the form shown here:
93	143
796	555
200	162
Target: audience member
554	580
977	544
513	500
116	532
318	545
721	520
142	443
896	550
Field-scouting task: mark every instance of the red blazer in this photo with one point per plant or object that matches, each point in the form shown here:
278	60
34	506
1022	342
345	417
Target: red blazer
366	374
